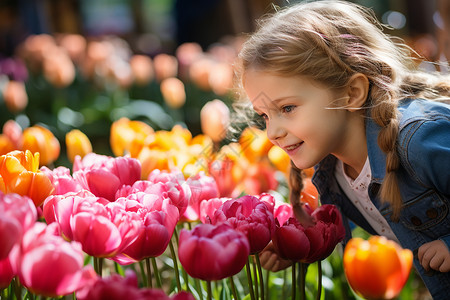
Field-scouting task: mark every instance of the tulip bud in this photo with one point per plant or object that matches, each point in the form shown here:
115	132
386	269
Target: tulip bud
15	96
77	143
165	66
215	118
173	92
142	69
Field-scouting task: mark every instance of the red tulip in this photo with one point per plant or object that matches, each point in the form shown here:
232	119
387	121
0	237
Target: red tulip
213	252
295	242
203	187
251	216
104	175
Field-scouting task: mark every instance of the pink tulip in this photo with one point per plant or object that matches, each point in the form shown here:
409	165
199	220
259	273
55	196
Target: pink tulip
282	212
209	207
61	180
158	221
60	261
175	186
105	235
213	252
103	175
295	242
251	216
17	214
203	187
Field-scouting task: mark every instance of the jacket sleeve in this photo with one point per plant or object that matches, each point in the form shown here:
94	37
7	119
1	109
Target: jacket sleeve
428	153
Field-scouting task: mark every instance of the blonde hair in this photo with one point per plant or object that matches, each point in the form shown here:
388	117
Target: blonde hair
329	41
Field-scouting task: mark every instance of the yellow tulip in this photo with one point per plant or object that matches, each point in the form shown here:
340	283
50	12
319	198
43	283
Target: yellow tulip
77	143
279	158
40	139
126	134
254	143
377	268
173	92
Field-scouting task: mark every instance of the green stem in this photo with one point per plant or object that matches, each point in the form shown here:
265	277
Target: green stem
250	281
149	273
186	278
100	266
261	281
267	284
255	275
156	271
233	288
143	273
319	286
175	265
302	281
199	288
208	286
294	282
283	292
16	288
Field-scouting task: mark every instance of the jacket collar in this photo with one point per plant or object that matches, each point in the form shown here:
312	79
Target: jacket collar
377	157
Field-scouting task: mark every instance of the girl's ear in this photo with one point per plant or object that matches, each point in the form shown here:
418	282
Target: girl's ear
357	91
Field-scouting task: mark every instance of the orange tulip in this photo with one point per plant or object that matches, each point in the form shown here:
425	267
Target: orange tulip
40	139
77	143
125	133
377	268
19	174
309	194
255	144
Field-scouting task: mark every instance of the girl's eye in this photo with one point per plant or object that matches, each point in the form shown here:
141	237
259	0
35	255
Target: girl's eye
287	108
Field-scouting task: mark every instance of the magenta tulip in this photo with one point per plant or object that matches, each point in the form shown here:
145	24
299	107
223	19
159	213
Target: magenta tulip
104	175
251	216
116	287
203	188
6	273
213	252
295	242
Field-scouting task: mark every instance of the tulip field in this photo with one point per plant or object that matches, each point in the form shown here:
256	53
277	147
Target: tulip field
120	179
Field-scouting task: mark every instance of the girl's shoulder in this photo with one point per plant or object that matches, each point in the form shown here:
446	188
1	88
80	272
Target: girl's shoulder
421	110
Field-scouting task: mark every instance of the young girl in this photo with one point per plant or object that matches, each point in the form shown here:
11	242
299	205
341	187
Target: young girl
337	93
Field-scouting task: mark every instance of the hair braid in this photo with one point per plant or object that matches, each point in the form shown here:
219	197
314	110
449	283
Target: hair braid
296	186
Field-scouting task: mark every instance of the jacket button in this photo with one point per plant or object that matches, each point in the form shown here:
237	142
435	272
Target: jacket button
432	213
416	221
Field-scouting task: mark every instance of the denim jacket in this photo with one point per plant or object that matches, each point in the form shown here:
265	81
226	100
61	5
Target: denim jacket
423	146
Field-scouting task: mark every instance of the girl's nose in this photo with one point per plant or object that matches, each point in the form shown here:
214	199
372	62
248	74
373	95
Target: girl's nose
275	131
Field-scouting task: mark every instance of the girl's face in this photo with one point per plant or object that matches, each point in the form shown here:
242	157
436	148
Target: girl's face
299	116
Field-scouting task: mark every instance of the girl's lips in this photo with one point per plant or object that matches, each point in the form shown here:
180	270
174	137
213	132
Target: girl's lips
291	149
